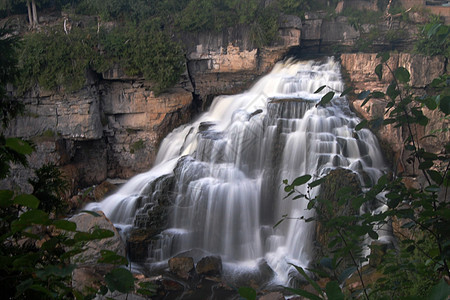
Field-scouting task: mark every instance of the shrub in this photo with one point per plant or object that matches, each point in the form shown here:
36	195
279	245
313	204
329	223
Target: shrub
146	50
433	39
55	60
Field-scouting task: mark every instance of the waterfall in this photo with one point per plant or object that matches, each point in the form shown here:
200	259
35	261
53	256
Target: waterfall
228	167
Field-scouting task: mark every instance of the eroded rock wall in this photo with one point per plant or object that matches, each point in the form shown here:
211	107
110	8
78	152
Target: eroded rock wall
360	69
229	61
113	126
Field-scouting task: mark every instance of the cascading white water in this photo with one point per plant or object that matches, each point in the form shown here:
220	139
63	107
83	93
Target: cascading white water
229	166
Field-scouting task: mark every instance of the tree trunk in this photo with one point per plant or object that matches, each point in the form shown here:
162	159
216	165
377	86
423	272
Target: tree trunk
30	17
35	17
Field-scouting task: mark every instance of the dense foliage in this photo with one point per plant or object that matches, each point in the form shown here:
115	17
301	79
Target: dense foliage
143	40
57	60
434	39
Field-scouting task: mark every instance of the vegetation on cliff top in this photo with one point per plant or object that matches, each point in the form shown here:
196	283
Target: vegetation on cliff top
144	36
143	39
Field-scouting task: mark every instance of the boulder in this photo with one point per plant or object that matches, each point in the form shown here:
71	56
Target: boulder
210	265
103	190
181	266
360	68
272	296
334	181
87	222
89	272
138	242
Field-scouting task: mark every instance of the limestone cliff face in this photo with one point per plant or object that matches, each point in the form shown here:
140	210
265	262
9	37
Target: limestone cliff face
113	126
360	68
229	61
108	129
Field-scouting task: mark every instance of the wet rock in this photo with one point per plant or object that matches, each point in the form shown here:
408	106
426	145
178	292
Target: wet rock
360	68
272	296
138	243
210	265
103	190
172	285
87	278
181	266
377	250
89	272
336	180
87	223
256	112
205	126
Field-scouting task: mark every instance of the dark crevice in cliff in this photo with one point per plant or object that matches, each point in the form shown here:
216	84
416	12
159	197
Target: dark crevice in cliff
196	99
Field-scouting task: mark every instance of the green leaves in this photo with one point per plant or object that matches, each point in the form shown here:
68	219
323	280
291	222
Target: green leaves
65	225
310	280
326	99
110	257
333	291
361	125
320	89
120	280
363	95
97	234
18	145
379	71
422	217
6	198
27	200
301	180
440	291
444	105
384	56
402	75
31	217
346	91
247	293
290	188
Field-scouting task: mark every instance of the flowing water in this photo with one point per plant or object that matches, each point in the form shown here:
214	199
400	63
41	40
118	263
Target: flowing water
230	163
